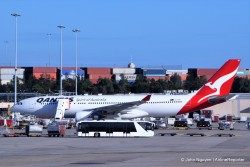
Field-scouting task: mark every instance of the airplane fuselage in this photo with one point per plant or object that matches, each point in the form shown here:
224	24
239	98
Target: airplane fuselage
157	106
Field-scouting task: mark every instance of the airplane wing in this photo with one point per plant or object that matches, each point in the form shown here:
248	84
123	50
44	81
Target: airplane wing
117	108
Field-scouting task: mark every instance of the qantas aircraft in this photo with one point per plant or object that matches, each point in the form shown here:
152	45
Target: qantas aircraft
215	91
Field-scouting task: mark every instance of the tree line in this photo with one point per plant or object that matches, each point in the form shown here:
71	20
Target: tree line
111	86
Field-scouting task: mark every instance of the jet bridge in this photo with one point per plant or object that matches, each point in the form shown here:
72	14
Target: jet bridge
62	105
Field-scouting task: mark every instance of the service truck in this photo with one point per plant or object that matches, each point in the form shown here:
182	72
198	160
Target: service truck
56	129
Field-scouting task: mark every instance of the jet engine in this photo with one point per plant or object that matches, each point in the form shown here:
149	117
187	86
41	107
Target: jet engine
134	113
81	115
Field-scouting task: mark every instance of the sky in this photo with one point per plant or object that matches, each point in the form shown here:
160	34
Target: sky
151	33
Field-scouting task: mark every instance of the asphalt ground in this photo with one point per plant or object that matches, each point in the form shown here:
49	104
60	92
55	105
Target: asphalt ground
179	150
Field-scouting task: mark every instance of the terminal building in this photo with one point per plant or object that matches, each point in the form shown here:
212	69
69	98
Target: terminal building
7	74
70	73
40	72
128	73
94	73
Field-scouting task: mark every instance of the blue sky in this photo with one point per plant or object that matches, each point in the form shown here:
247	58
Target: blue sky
191	33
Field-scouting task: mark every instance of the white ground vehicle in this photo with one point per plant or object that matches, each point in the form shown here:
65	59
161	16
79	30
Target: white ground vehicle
115	128
171	121
34	130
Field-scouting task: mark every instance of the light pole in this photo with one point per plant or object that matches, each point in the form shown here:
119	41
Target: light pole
15	87
49	35
76	31
61	28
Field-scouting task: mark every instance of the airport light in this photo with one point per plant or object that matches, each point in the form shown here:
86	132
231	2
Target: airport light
61	28
49	35
76	31
15	84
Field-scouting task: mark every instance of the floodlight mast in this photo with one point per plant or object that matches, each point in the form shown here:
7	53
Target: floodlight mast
76	31
61	28
15	77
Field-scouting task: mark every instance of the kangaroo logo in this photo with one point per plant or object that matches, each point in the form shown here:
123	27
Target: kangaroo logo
217	84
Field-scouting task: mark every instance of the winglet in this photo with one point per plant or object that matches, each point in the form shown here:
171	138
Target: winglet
147	98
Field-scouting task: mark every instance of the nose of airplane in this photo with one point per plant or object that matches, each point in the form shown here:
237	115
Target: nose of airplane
14	108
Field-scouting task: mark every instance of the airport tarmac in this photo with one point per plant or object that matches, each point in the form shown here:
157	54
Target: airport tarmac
157	151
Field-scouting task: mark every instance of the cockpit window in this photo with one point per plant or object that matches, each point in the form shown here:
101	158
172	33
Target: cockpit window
19	103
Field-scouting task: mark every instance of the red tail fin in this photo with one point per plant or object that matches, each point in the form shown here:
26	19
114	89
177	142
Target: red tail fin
217	86
221	82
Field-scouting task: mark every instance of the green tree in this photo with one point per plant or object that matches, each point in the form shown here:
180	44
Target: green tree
123	86
164	83
155	87
175	82
241	85
38	88
141	85
68	85
29	83
245	85
202	81
192	82
84	86
105	86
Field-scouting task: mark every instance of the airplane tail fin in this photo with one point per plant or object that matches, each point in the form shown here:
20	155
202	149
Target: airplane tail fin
221	82
216	90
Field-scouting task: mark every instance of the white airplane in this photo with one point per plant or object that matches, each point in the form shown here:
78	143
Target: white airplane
215	91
